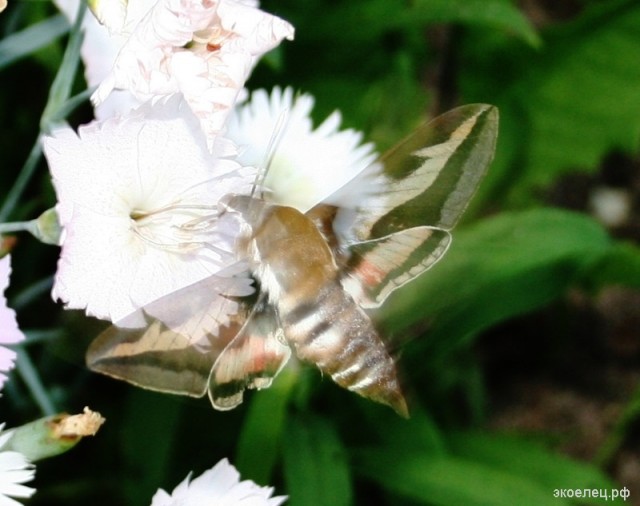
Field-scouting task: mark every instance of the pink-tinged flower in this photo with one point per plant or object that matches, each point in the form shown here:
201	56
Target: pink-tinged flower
15	470
219	486
309	165
101	45
137	200
204	49
9	331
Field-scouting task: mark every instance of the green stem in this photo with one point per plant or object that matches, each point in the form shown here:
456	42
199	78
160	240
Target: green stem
30	376
16	226
31	293
59	93
23	179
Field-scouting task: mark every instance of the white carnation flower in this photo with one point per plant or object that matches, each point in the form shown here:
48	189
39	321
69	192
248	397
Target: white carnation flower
204	49
219	486
15	470
101	45
309	165
9	331
137	200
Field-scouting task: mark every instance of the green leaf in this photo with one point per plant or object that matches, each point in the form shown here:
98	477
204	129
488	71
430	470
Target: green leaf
526	458
498	14
32	38
620	266
565	107
365	20
450	480
61	87
262	432
419	432
315	464
145	425
496	269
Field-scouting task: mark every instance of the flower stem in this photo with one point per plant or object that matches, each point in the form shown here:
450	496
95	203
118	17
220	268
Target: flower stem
30	376
16	226
19	186
59	93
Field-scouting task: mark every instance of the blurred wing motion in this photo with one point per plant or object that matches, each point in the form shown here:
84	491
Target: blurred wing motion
316	273
403	229
251	360
176	343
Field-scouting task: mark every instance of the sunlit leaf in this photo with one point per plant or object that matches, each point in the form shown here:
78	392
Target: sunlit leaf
496	269
562	108
620	266
526	458
450	480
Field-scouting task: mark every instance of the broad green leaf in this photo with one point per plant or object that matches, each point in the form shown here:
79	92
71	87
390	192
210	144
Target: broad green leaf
562	108
365	20
262	432
620	266
526	458
315	465
450	480
496	269
418	433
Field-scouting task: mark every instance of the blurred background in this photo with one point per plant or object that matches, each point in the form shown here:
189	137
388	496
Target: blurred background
519	352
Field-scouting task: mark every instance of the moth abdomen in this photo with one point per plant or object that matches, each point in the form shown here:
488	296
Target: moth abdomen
335	334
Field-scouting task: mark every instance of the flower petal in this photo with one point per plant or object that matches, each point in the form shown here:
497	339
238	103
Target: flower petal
127	190
309	166
9	331
203	49
219	486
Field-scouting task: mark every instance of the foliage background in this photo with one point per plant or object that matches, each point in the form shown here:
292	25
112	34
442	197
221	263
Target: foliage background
519	351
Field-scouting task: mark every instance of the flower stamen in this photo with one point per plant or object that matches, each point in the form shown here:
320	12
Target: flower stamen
181	228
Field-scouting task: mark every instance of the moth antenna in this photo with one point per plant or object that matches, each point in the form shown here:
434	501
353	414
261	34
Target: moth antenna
263	169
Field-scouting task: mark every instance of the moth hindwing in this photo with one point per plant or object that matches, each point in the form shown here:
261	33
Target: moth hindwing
317	274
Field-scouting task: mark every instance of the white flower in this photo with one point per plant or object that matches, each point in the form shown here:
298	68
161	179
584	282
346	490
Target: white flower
219	486
204	49
100	46
137	200
9	331
15	469
308	165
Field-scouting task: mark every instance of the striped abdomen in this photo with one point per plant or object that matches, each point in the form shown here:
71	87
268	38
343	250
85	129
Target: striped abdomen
334	333
296	267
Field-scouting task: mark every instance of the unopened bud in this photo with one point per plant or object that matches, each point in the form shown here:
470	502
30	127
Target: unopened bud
53	435
47	228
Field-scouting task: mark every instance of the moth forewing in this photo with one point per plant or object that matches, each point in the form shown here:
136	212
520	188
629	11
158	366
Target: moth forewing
430	178
154	358
171	344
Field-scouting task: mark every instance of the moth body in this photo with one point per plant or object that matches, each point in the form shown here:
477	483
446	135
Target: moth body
296	268
316	273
